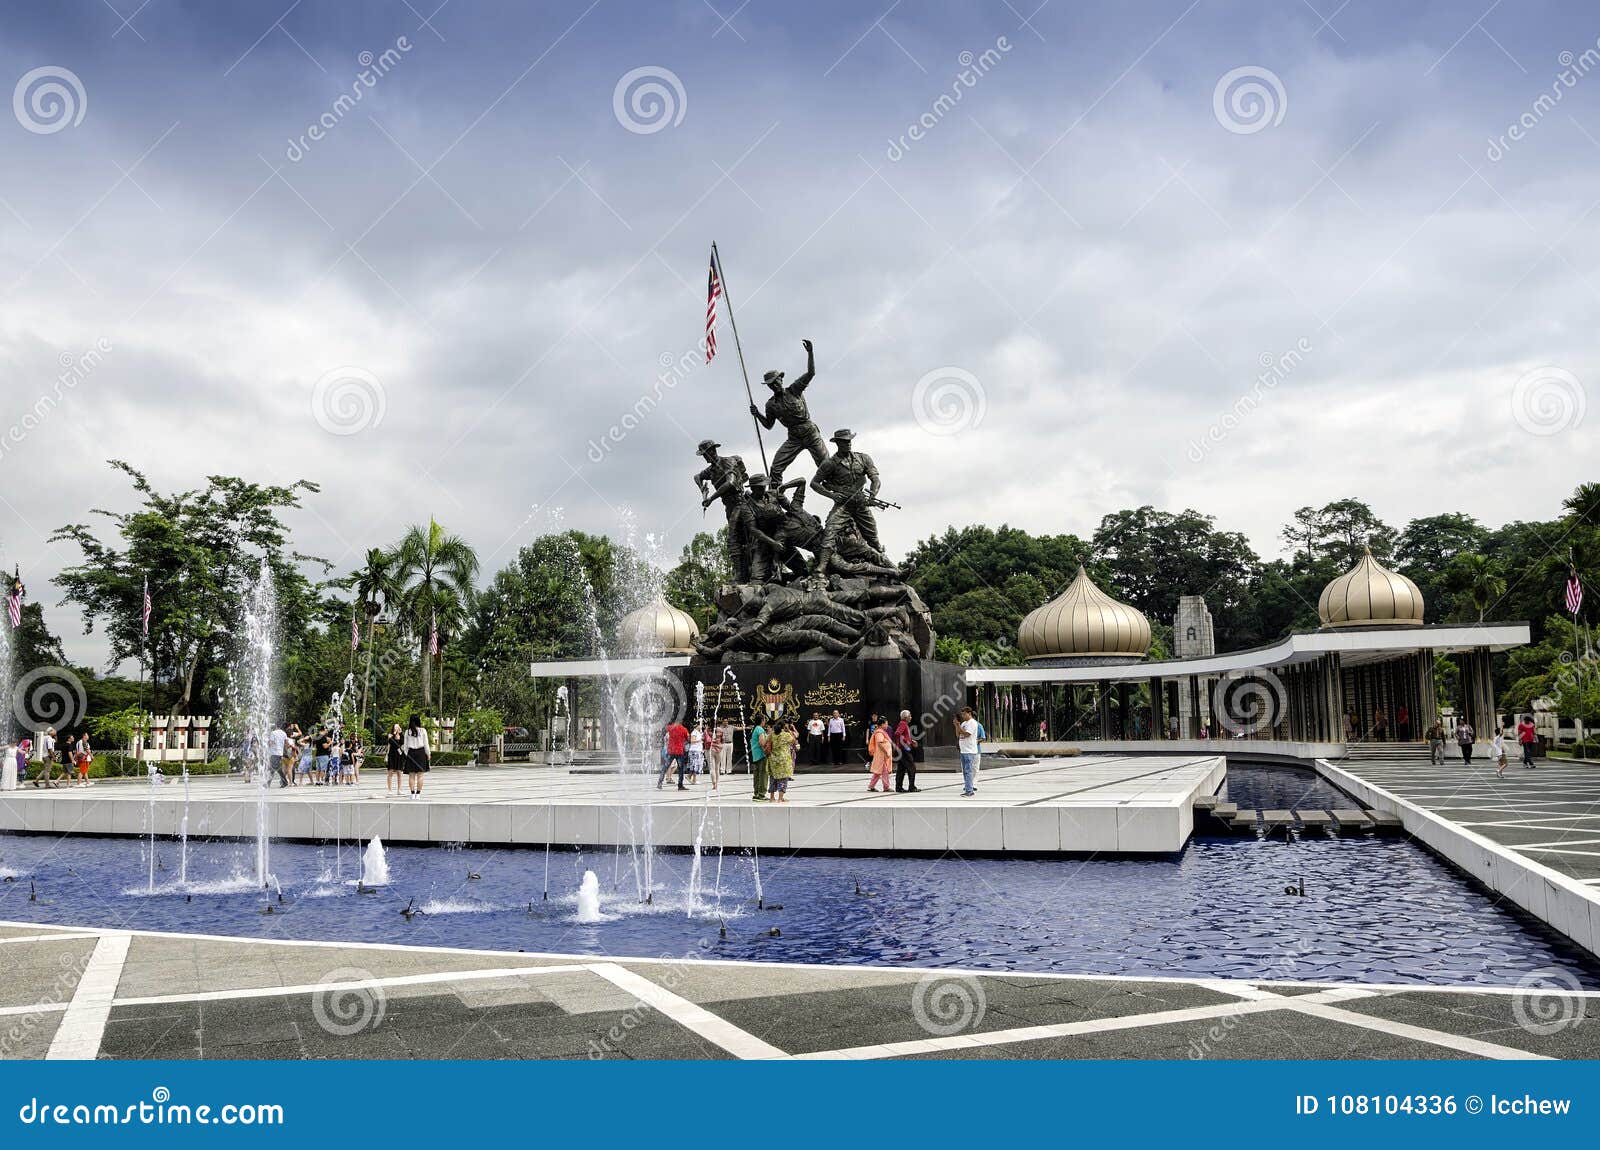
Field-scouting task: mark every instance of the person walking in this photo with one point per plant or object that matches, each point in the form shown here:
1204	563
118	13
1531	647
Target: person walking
905	751
1497	752
780	760
1465	737
836	738
1402	723
415	744
760	746
675	740
1527	737
1436	743
47	757
697	755
880	749
82	756
395	759
967	745
276	742
816	738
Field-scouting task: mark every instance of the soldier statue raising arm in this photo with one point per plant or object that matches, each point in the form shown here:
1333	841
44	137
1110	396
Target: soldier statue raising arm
787	405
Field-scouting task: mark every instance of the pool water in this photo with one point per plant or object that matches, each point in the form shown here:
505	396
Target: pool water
1375	910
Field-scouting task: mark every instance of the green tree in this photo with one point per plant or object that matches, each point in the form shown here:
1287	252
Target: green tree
1481	579
702	568
199	551
436	570
1426	549
375	587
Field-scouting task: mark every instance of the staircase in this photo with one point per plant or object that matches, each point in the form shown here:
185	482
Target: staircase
1386	752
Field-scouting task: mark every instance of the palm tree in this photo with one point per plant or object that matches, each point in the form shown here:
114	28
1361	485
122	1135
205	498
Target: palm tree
373	582
435	571
1481	578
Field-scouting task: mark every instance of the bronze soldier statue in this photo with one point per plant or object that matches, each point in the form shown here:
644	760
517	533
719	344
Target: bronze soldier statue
787	405
850	479
724	478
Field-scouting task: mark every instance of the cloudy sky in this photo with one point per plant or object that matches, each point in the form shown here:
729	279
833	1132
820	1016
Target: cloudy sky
1044	251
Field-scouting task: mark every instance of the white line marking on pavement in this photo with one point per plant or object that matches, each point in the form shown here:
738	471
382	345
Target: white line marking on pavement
84	1024
376	983
1055	1030
44	937
740	1043
36	1008
1416	1033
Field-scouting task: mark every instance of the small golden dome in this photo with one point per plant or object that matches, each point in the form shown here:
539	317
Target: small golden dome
658	628
1370	595
1084	622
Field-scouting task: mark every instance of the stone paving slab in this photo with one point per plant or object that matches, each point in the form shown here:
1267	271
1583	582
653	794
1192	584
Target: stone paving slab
261	999
1246	1038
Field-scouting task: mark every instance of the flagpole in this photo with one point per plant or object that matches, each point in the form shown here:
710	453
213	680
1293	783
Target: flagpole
716	258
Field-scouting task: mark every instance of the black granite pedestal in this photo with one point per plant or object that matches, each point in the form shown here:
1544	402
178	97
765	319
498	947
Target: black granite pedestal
933	692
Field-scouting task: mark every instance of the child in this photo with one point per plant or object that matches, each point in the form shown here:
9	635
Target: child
1498	752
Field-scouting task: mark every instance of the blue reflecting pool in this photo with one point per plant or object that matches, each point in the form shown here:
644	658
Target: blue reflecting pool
1375	910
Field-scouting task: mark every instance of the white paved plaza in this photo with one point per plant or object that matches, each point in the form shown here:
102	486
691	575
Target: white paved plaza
1091	803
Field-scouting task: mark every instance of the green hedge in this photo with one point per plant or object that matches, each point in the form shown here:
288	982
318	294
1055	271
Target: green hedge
450	758
116	765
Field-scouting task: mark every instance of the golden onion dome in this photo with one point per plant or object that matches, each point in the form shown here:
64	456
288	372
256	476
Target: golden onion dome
658	628
1370	595
1084	622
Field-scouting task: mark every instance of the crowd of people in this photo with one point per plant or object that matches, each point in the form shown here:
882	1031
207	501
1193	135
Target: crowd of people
774	746
1466	738
68	750
328	757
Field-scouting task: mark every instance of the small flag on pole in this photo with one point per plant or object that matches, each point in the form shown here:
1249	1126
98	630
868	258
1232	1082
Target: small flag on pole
14	604
1574	593
713	293
355	630
146	616
433	635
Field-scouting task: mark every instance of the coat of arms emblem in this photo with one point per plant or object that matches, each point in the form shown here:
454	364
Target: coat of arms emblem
774	698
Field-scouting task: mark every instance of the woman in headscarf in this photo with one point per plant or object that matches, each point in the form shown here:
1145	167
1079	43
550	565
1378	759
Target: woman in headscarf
881	748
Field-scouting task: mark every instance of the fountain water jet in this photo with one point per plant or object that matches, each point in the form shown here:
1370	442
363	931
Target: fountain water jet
254	671
374	864
589	898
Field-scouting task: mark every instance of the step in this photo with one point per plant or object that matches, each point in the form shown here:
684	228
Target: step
1277	818
1386	822
1315	818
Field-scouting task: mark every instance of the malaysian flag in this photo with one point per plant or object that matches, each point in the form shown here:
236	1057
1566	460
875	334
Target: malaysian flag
146	618
14	604
433	635
355	630
1574	593
713	294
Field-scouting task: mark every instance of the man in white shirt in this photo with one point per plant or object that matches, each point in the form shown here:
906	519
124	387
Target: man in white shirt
967	744
836	738
816	729
47	754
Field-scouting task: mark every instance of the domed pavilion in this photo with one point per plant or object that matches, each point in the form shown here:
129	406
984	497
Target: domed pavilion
1364	676
657	628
